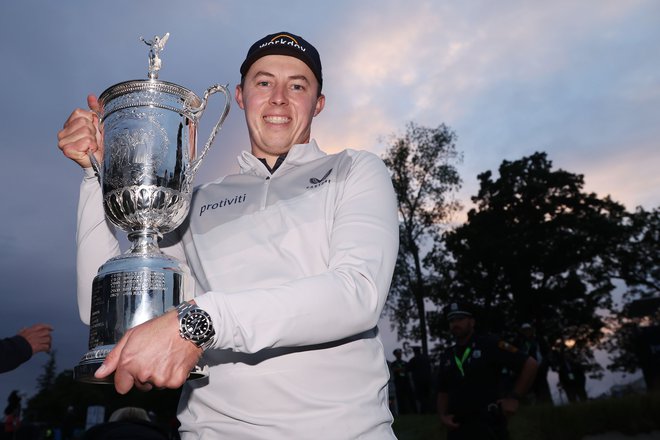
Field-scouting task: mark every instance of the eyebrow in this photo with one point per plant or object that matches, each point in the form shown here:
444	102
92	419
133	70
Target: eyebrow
292	77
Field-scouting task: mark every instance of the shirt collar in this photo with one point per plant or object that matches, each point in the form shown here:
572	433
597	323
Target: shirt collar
298	154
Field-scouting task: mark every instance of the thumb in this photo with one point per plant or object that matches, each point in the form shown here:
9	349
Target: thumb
93	103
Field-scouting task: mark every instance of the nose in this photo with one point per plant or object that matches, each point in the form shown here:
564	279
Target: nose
279	95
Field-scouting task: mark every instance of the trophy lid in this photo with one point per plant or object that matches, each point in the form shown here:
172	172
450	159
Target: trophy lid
150	92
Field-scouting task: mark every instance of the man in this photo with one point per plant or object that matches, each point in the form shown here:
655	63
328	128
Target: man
537	348
293	278
470	403
405	402
572	376
19	349
420	372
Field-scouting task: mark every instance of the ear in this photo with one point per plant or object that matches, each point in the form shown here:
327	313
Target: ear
320	103
239	97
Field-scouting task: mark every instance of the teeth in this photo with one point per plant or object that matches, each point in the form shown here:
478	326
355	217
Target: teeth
276	119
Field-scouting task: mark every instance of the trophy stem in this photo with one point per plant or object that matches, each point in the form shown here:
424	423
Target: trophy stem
144	241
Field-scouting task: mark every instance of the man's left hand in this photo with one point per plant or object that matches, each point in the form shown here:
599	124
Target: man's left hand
152	354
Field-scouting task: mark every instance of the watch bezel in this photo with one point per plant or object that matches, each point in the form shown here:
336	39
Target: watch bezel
186	311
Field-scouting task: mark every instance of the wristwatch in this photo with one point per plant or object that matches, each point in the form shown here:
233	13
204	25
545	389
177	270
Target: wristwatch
195	325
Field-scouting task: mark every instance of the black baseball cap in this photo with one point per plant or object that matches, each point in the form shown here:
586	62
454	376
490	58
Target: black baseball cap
457	309
285	43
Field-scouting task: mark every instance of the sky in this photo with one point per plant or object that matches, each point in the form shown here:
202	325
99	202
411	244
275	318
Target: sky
578	80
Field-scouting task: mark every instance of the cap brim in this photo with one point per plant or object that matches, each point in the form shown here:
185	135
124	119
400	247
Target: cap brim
459	313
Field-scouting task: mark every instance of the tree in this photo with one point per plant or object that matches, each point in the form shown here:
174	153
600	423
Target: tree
424	175
46	380
635	262
528	252
635	258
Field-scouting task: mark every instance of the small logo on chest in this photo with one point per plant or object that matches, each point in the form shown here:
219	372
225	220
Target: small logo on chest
315	182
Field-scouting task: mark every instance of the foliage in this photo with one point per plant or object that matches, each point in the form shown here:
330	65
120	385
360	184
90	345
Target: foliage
46	379
424	175
630	415
526	253
634	260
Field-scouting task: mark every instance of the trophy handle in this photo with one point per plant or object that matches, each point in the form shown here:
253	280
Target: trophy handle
96	166
194	165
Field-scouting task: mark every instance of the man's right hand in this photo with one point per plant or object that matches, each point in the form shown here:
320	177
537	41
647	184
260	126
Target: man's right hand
38	336
81	134
448	421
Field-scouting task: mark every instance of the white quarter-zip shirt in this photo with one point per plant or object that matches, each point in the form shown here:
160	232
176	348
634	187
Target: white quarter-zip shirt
294	268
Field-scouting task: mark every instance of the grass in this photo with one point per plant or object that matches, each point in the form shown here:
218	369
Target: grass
629	415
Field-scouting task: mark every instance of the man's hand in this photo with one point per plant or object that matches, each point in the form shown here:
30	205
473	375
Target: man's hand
509	406
81	134
448	421
152	354
38	336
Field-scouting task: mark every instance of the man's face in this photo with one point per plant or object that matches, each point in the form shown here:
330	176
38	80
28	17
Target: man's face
280	99
461	326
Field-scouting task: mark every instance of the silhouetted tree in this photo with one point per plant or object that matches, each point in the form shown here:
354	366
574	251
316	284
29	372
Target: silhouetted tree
46	380
422	163
527	252
634	261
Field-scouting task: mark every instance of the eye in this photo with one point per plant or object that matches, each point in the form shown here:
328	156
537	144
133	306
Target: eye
298	87
262	83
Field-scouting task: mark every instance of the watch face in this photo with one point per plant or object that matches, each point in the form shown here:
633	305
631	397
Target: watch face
197	325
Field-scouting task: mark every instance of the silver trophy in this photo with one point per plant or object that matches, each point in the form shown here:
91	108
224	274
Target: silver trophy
149	135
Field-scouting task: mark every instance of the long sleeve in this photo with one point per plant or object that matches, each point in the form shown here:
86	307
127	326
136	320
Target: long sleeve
96	242
13	352
339	300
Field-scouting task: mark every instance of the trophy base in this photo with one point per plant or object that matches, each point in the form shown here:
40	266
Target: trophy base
84	371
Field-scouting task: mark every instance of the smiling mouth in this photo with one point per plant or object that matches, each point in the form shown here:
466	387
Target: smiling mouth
277	119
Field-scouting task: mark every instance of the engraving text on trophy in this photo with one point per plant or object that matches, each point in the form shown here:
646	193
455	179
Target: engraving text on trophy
135	283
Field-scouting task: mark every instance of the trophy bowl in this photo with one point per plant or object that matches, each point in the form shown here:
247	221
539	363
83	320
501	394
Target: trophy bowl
149	130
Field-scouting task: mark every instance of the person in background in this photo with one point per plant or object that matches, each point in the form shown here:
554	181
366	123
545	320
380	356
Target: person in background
572	376
536	347
405	401
12	416
469	402
20	348
419	367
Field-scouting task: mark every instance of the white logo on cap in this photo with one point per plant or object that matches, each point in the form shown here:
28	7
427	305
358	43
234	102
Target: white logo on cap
284	39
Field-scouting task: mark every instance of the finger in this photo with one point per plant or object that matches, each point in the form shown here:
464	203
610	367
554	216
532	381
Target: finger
111	360
124	381
81	139
143	386
76	128
77	116
43	329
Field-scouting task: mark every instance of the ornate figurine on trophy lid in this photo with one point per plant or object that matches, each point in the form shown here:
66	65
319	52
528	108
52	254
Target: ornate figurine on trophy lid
149	135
